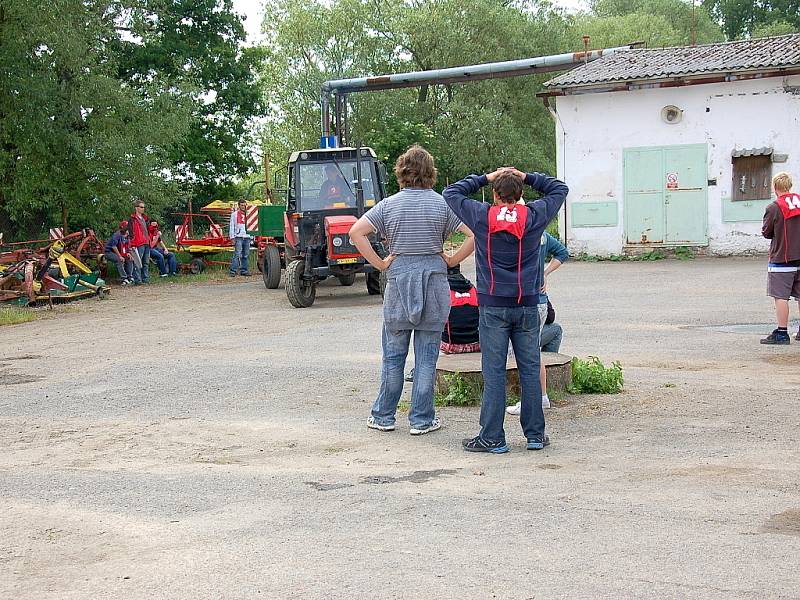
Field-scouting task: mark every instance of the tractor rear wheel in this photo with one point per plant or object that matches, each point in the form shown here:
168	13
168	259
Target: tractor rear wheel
197	266
347	280
271	267
301	292
376	283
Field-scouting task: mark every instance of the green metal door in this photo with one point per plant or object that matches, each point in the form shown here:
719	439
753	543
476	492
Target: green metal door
666	199
686	201
644	196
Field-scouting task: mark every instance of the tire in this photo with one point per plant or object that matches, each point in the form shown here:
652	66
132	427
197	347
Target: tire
374	283
347	280
197	266
271	267
301	293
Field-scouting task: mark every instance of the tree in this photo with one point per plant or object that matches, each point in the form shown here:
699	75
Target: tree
195	46
743	18
658	23
71	137
468	127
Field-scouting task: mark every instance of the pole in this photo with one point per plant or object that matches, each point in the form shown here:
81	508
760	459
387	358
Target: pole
694	25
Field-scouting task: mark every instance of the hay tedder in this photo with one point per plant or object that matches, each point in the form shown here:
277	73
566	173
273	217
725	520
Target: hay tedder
54	273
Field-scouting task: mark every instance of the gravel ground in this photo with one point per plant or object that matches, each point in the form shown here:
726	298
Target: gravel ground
209	441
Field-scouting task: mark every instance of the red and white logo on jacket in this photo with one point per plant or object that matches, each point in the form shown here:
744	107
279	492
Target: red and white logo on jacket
789	205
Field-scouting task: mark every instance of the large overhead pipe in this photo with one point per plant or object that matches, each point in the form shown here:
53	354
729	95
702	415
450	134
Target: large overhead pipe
509	68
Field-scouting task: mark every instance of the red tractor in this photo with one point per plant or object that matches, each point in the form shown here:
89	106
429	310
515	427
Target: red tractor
328	190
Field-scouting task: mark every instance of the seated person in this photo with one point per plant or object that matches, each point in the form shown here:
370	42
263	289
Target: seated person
460	333
550	340
117	250
166	260
335	188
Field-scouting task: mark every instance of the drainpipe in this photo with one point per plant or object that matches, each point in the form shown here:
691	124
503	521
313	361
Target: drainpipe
557	121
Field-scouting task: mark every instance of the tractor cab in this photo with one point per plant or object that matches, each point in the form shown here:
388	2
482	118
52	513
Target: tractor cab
328	190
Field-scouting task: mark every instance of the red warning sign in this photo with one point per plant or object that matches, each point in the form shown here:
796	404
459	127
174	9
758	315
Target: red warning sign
672	181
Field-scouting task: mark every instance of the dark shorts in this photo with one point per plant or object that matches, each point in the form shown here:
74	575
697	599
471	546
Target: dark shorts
783	281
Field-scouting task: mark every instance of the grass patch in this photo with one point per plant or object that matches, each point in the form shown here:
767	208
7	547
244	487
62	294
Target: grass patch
593	377
647	256
14	315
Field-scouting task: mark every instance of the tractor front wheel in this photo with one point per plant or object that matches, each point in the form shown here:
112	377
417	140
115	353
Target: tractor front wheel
301	292
271	267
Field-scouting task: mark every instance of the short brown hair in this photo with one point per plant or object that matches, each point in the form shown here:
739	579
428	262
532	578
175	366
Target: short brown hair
782	182
508	187
415	168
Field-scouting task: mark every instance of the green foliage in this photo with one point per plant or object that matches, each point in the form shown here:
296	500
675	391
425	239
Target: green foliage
103	101
684	253
552	228
647	256
745	18
656	22
774	28
11	315
460	391
592	377
70	135
196	48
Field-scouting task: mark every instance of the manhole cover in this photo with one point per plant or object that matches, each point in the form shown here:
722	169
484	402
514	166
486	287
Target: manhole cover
747	328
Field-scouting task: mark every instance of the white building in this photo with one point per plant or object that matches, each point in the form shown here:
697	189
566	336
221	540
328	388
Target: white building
676	146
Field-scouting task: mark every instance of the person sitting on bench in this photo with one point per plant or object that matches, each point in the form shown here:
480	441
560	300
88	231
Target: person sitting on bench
460	334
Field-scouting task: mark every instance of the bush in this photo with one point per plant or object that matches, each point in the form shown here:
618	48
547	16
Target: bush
460	392
592	377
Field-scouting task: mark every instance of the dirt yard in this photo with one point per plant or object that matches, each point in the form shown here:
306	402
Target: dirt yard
209	441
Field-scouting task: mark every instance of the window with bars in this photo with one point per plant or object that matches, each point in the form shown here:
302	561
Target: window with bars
752	177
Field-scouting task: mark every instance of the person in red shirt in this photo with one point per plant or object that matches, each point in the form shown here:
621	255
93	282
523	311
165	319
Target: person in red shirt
782	226
140	243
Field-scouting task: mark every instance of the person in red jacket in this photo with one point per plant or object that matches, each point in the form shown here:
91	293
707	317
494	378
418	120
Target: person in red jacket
782	226
140	243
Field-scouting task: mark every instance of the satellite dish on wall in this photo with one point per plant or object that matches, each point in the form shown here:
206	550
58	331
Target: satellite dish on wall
671	114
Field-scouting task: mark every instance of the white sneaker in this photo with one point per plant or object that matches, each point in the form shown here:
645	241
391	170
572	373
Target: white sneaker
435	424
517	408
373	425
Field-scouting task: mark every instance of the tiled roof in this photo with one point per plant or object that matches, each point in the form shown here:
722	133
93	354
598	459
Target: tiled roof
664	63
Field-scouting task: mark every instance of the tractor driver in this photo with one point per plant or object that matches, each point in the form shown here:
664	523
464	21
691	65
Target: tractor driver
334	189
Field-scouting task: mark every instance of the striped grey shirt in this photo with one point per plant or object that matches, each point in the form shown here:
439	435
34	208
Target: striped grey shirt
414	221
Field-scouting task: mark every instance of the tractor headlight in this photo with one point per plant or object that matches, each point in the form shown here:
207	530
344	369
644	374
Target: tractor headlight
337	241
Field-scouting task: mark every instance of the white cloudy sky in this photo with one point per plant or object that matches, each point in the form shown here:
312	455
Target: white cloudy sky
253	11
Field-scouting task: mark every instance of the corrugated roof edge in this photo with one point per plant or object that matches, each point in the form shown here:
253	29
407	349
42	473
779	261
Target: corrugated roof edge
571	79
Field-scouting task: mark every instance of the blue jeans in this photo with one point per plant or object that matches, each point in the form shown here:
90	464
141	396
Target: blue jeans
551	337
395	349
241	256
123	267
142	275
498	325
167	265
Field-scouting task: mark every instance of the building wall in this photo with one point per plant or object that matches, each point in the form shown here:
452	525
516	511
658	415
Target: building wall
593	129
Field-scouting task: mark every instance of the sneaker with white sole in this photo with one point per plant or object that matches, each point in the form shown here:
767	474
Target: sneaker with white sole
433	426
373	424
516	409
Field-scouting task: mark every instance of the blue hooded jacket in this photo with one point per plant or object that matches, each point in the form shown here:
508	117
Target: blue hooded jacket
507	271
